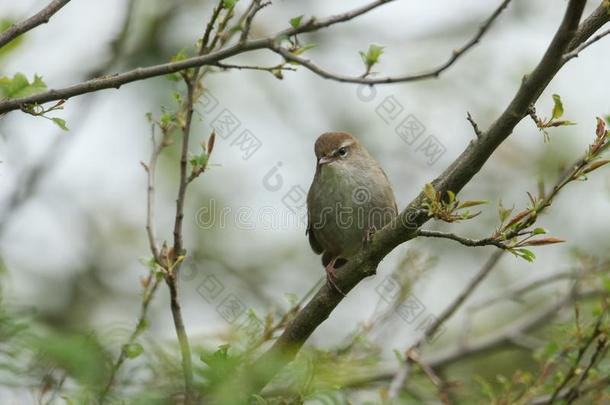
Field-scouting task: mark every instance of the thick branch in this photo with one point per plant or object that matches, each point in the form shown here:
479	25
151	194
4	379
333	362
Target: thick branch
404	227
42	17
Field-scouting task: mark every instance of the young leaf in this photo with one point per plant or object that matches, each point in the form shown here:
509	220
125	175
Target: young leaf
133	350
558	107
471	203
504	213
600	129
211	142
295	22
430	192
543	241
229	3
525	254
451	196
303	49
595	165
60	123
5	23
371	57
19	86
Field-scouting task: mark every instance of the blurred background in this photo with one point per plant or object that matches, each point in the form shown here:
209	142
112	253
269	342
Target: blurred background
72	204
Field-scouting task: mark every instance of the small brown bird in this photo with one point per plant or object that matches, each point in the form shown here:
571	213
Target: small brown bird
350	197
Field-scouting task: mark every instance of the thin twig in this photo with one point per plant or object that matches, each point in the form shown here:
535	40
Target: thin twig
150	196
401	376
575	52
34	175
514	293
475	126
270	69
576	363
151	283
118	80
427	74
256	6
462	240
203	48
42	17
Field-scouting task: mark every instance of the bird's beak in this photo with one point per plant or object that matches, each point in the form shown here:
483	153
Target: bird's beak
324	160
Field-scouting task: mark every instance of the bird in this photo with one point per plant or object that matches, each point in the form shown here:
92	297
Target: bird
349	199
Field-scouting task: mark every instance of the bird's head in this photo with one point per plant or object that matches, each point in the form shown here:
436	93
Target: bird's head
339	148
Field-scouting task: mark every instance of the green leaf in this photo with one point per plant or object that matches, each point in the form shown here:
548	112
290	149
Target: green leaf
229	3
525	254
451	196
295	22
430	192
133	350
180	55
371	57
558	107
504	213
292	299
471	203
539	231
19	86
5	23
60	123
303	49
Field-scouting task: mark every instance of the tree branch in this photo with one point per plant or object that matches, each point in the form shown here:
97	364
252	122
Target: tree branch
428	74
404	227
462	240
42	17
401	376
243	46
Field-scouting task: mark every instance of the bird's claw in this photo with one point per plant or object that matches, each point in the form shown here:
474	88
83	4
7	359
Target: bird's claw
331	277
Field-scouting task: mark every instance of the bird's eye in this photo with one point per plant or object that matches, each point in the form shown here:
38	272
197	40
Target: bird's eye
342	151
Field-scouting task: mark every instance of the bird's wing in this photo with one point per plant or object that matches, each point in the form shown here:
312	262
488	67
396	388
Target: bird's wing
310	232
390	186
313	242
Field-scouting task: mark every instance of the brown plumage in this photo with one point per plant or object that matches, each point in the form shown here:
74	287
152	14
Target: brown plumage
350	196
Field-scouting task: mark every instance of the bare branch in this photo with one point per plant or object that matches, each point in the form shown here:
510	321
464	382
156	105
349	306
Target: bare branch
42	17
428	74
576	362
203	48
583	46
401	376
270	69
151	169
32	177
462	240
254	8
150	287
205	58
475	126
